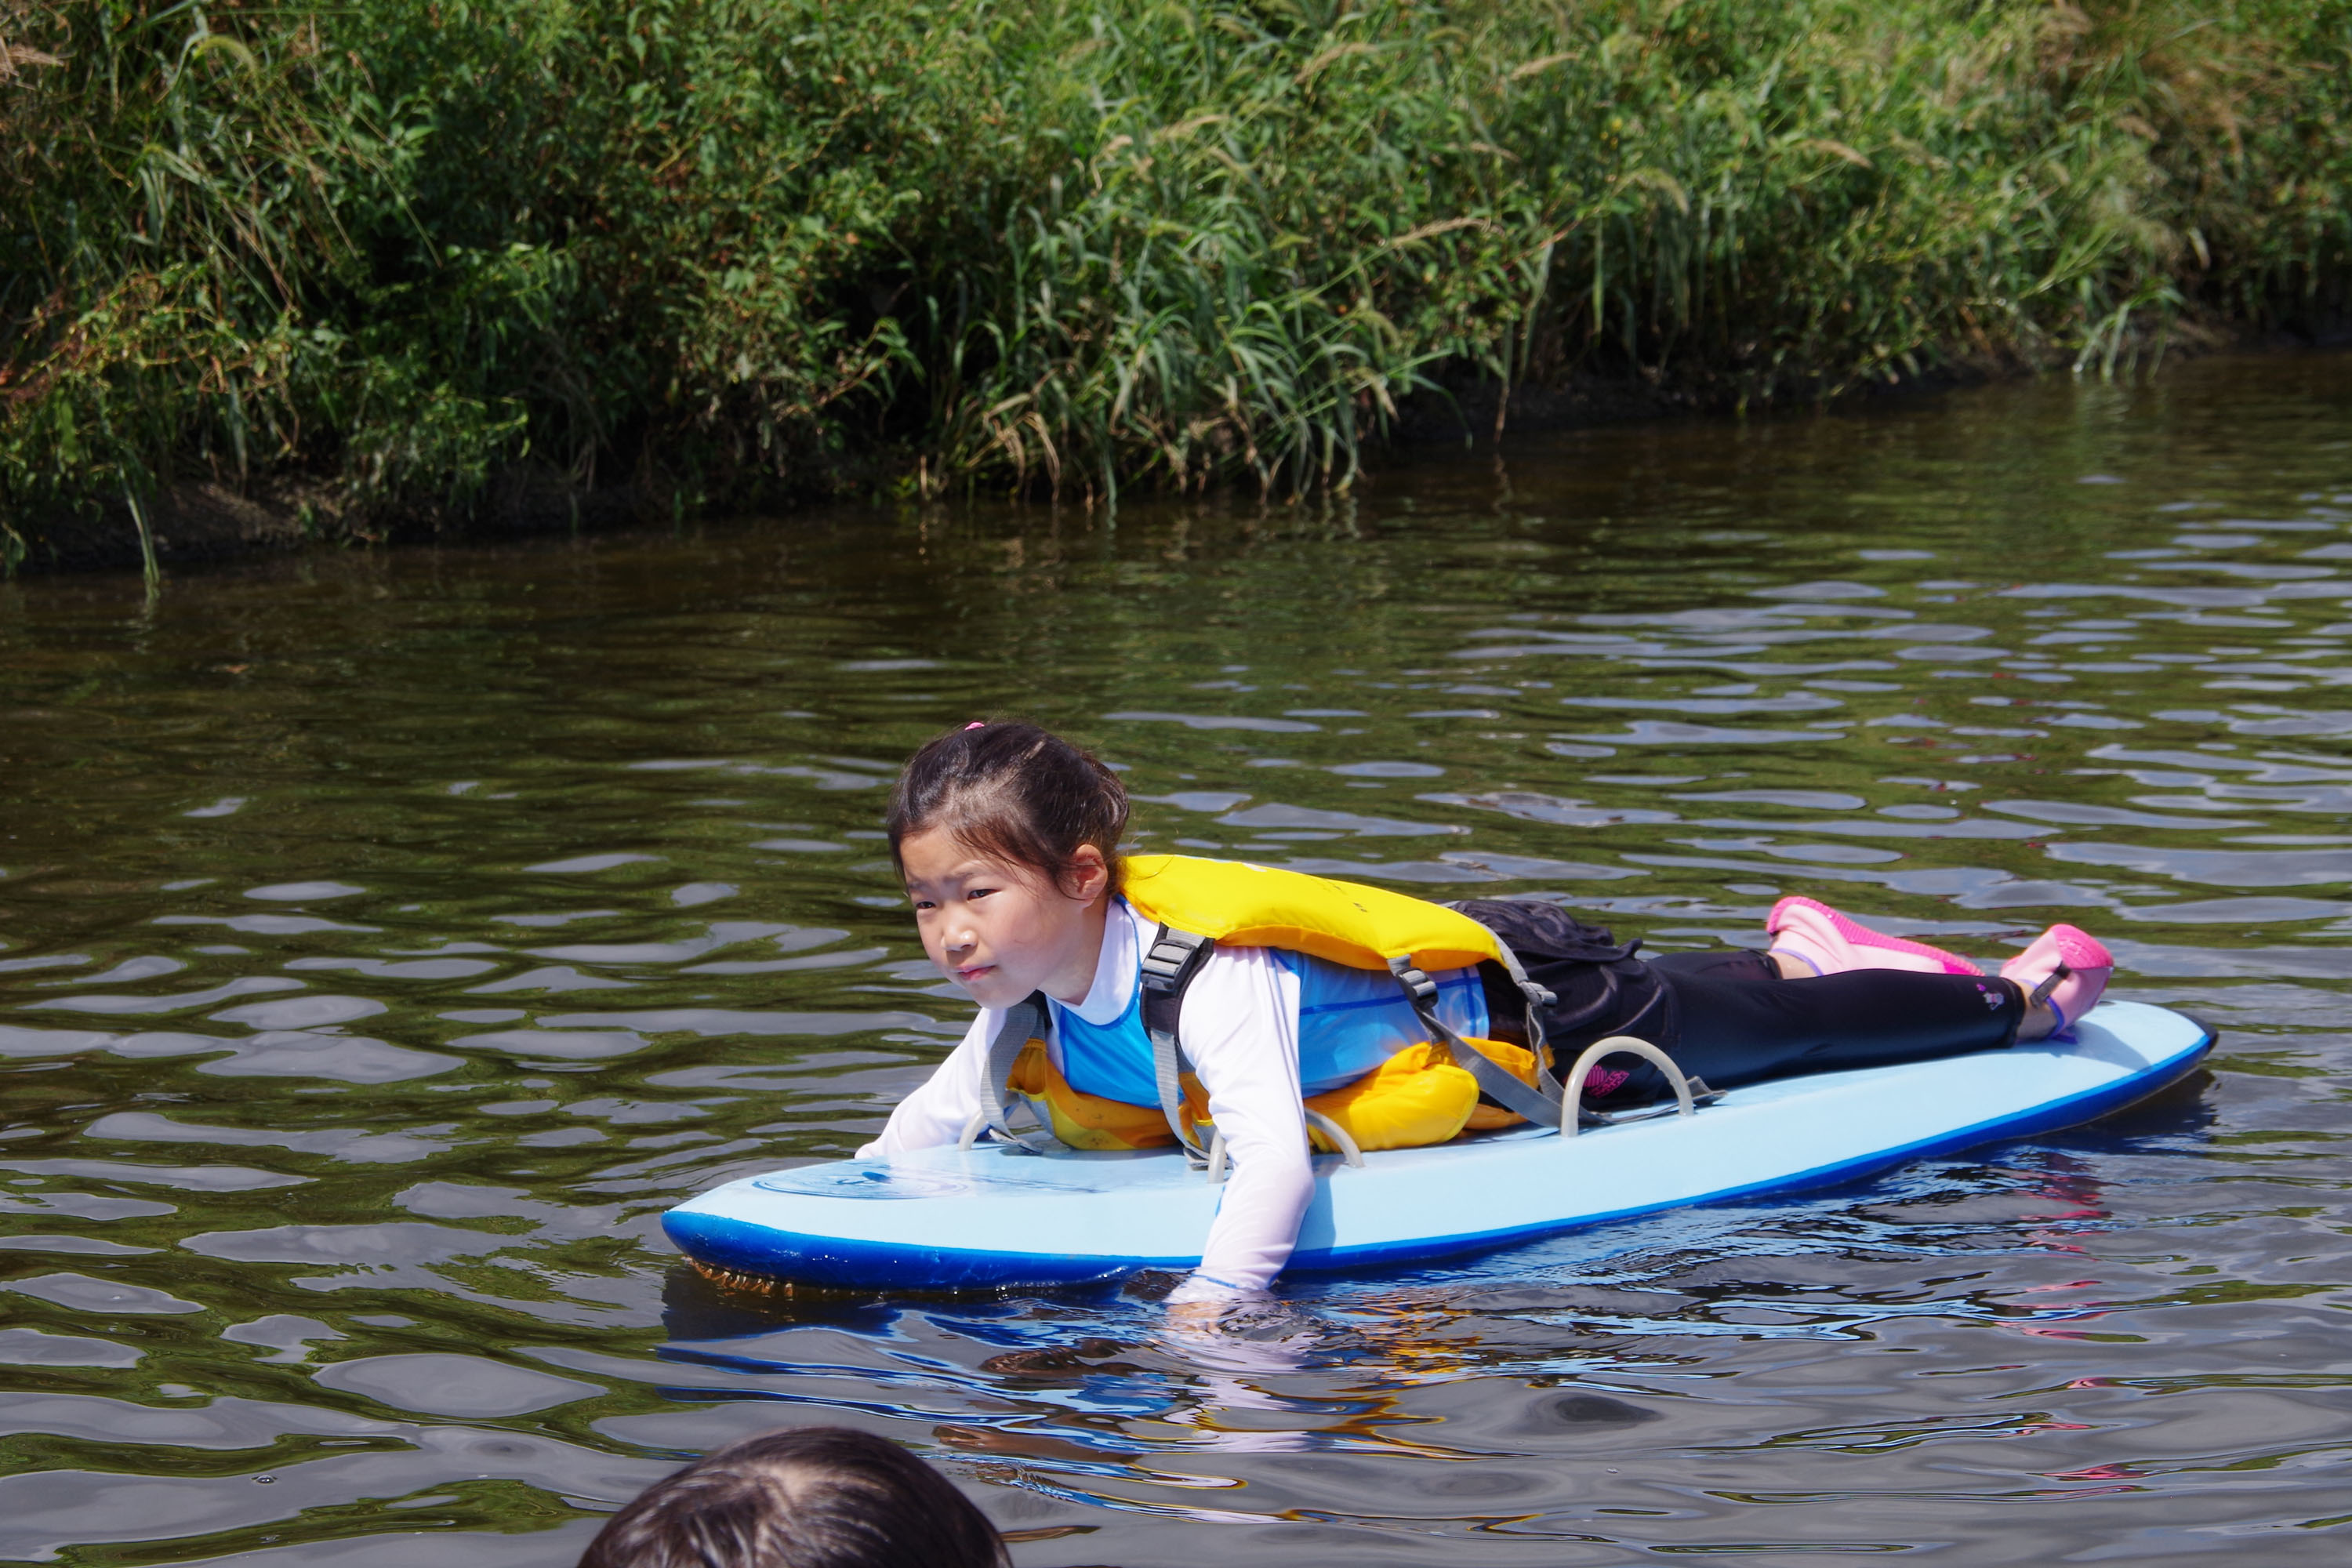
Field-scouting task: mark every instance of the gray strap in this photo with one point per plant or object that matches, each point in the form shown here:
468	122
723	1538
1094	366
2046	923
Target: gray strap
1021	1024
1539	1104
1537	999
1168	1073
1175	957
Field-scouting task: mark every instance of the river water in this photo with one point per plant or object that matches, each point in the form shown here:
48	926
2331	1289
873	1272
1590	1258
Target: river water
386	939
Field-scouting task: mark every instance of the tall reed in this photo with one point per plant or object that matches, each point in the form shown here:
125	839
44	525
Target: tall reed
720	251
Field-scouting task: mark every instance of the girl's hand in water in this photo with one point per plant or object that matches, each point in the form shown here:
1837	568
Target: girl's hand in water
1245	1332
1194	1317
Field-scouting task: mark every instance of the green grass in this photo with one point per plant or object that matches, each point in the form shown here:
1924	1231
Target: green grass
714	252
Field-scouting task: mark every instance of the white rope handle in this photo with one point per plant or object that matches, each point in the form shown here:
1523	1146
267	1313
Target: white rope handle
1350	1151
1571	1094
972	1129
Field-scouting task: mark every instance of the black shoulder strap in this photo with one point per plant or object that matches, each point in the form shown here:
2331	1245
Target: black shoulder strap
1175	957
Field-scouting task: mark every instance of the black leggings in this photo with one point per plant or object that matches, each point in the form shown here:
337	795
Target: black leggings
1735	1020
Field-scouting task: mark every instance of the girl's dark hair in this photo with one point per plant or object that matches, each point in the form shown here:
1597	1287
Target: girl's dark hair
1014	792
811	1496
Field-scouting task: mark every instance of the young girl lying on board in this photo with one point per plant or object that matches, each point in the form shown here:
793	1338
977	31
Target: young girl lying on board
1007	838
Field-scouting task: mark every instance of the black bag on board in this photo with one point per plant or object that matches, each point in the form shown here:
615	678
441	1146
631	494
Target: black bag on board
1600	988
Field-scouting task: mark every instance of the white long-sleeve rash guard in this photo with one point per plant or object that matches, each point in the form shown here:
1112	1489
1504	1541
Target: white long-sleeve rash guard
1241	1033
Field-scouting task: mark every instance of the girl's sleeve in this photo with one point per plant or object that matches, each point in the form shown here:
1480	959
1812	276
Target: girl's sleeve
1241	1031
937	1112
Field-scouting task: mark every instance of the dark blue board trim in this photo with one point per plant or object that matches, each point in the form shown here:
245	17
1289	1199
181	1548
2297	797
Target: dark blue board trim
840	1264
843	1264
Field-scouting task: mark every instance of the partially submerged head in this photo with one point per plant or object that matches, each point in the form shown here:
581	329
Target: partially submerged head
812	1496
1007	837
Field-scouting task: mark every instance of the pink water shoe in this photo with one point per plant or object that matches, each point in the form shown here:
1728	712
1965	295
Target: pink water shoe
2066	967
1831	943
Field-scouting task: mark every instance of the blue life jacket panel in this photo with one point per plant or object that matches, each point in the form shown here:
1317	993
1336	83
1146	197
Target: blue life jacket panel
1349	1022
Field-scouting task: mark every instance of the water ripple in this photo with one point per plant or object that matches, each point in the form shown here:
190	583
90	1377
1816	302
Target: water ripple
282	1291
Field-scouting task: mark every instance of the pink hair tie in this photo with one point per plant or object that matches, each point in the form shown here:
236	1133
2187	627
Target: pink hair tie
977	724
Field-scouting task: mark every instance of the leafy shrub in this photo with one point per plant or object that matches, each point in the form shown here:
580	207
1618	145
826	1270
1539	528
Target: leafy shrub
719	251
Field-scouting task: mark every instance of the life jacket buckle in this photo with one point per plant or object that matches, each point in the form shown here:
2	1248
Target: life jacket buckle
1174	955
1409	974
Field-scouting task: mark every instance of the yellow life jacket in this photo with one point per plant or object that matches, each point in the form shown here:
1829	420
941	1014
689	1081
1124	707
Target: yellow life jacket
1415	1098
1242	905
1424	1094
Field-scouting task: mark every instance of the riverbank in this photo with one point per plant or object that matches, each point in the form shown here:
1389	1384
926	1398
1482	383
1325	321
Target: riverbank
303	271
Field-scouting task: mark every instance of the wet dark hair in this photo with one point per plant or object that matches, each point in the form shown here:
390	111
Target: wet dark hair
1015	792
811	1496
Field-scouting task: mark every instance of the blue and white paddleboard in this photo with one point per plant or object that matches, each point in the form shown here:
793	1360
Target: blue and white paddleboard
945	1219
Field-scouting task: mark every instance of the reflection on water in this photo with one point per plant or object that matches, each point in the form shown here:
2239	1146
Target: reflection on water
386	940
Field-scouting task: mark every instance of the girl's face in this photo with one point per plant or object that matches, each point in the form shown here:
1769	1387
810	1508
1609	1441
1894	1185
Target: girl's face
1002	932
